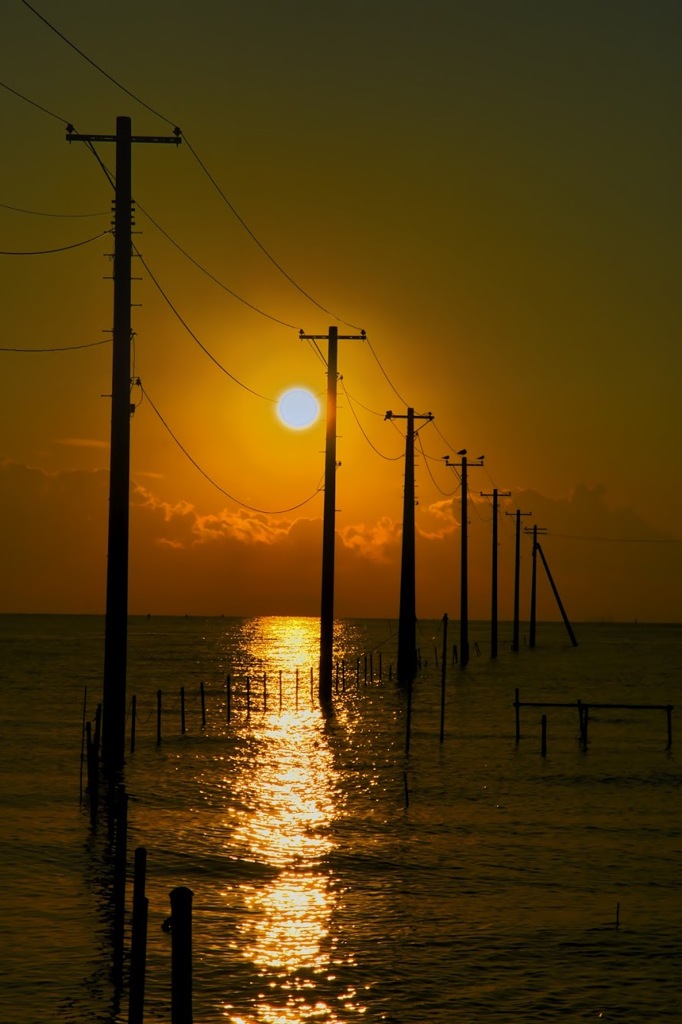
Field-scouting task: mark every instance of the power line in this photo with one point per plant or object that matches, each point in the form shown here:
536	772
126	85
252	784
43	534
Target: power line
33	103
210	177
619	540
62	248
251	508
260	245
391	385
94	64
195	338
389	458
427	458
65	348
198	265
45	213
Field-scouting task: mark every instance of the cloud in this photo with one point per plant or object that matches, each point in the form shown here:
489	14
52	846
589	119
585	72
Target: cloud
376	542
81	442
607	563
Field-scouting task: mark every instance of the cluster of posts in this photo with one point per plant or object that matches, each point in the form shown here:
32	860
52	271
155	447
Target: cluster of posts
583	708
179	923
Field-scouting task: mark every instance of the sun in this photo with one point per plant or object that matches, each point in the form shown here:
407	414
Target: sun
298	408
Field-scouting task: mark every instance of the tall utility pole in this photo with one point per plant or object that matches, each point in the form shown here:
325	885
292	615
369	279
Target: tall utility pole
329	515
116	624
493	590
534	578
464	567
407	642
517	574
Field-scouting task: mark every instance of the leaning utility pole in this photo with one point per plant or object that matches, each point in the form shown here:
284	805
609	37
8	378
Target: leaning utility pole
517	571
329	514
533	586
407	642
552	584
493	607
464	567
116	624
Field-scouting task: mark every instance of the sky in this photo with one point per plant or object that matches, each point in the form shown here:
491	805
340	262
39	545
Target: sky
489	189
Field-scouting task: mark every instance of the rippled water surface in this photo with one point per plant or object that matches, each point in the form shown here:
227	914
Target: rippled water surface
336	878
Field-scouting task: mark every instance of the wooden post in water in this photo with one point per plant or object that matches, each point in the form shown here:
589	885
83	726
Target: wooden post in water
228	698
93	775
297	688
182	709
248	696
120	854
181	955
517	714
669	712
442	677
158	717
83	748
202	695
280	691
138	941
133	719
543	744
265	692
98	730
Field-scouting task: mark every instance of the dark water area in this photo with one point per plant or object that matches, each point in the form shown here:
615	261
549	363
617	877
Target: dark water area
336	878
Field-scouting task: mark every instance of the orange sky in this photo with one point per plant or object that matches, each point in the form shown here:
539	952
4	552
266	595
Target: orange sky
490	191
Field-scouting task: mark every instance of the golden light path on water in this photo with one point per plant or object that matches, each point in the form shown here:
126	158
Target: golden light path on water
286	803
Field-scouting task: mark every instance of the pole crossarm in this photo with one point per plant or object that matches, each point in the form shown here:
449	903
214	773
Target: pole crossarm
73	136
534	531
325	337
427	416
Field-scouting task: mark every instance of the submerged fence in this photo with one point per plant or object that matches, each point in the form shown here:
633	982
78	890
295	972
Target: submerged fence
584	708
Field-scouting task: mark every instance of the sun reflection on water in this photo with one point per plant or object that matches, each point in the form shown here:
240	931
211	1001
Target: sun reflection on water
284	803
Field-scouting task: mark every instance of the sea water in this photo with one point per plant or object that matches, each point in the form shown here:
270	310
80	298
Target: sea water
335	876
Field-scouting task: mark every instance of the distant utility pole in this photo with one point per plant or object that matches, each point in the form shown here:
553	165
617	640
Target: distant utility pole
116	624
407	642
493	607
533	586
464	568
329	514
517	572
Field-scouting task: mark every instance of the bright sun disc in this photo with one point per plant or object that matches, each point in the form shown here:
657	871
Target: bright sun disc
298	408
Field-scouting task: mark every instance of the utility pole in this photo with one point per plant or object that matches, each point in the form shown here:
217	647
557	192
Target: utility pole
493	606
116	624
517	573
329	515
533	586
464	567
407	642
